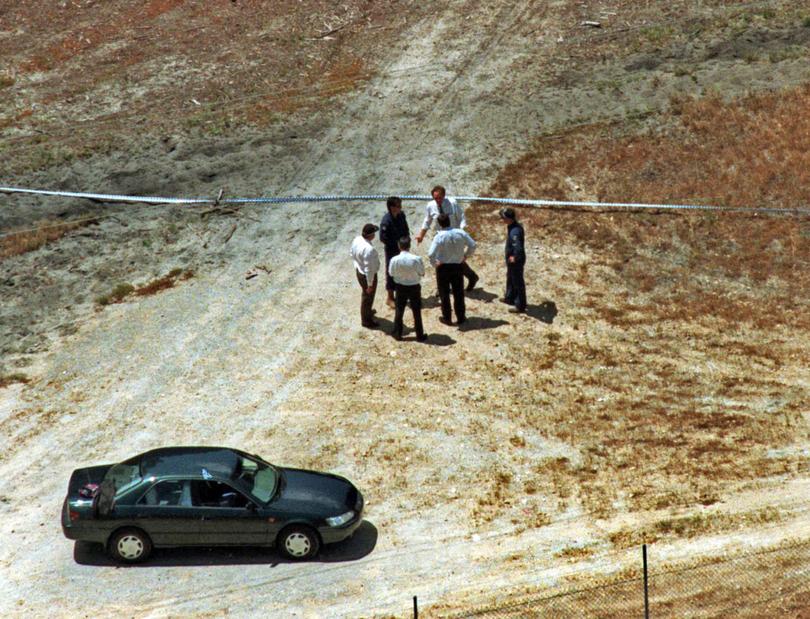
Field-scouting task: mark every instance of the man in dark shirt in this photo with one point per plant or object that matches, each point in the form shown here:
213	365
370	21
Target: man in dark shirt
515	252
393	227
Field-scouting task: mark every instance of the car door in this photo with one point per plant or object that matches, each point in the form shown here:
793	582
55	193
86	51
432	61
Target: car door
166	513
228	517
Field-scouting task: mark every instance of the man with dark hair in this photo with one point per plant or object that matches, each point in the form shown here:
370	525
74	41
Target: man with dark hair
366	265
393	227
515	252
450	249
442	204
407	270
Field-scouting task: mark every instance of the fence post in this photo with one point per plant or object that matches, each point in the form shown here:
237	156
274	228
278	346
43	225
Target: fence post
415	609
646	594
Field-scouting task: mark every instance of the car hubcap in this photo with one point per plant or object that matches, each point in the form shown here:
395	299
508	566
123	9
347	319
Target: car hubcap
130	547
297	544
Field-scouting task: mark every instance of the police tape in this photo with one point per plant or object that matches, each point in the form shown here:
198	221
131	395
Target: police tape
102	197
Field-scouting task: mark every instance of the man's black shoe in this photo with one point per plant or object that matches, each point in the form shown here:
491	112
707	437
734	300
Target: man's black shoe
397	337
422	338
506	301
461	321
472	283
445	321
371	325
517	310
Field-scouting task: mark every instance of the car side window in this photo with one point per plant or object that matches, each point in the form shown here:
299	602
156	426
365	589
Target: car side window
168	493
209	493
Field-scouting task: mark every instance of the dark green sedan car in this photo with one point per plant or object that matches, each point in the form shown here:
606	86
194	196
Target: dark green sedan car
207	496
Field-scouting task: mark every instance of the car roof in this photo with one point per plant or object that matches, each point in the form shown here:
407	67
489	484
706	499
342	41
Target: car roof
189	461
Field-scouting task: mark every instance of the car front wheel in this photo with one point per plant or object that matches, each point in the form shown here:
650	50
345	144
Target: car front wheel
130	546
298	542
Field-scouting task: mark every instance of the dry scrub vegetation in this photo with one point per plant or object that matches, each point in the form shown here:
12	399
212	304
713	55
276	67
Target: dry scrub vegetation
121	291
690	376
250	62
41	233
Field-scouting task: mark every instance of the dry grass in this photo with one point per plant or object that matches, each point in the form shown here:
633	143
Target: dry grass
13	378
673	378
269	63
163	283
691	526
44	232
121	291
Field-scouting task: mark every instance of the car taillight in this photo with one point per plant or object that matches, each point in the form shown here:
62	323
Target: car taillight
74	516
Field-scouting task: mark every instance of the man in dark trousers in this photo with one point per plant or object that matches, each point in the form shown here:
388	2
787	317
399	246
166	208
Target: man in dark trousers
407	270
442	204
450	249
515	252
366	265
393	227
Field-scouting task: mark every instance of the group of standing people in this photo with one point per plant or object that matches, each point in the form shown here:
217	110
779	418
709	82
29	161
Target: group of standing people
448	254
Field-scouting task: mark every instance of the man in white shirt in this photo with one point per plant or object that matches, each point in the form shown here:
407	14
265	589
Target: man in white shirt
449	251
366	265
442	204
407	270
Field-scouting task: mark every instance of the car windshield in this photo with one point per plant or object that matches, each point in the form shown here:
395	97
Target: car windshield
259	478
123	477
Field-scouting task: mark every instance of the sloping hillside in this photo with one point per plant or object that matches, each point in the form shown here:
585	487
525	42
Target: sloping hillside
656	391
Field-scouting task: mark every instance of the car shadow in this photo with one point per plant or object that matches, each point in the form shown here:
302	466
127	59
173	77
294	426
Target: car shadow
476	323
359	545
545	312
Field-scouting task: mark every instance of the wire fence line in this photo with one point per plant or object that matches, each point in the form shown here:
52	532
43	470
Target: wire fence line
763	583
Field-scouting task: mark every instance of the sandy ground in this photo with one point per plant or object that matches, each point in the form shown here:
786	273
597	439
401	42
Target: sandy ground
279	365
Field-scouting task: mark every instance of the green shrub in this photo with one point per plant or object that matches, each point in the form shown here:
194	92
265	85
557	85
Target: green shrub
116	295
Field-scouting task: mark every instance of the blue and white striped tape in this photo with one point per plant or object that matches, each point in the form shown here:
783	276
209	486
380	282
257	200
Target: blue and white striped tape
371	197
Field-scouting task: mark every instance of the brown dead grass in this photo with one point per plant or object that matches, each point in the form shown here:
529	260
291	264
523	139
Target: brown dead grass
163	283
674	383
692	525
43	232
124	290
13	378
270	59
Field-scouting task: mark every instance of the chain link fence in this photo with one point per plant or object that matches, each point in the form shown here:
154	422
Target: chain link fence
768	583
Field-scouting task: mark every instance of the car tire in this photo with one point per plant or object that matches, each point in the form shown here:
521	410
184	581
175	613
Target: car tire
298	542
130	546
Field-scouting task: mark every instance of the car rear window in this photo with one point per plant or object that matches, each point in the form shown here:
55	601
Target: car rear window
123	477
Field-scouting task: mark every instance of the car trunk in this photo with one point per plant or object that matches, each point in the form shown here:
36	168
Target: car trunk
84	490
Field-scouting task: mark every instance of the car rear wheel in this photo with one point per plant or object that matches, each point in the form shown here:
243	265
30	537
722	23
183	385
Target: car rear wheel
298	542
130	546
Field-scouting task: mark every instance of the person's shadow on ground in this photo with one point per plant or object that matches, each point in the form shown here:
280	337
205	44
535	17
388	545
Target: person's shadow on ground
433	339
545	312
479	294
356	547
478	323
431	301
